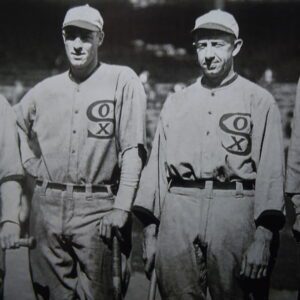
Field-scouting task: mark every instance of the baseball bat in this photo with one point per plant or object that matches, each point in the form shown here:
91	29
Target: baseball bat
153	285
27	242
24	242
116	269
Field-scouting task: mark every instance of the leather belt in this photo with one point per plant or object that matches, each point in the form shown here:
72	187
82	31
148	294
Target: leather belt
217	185
79	188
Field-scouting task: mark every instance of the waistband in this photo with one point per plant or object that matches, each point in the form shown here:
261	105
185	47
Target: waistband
216	185
105	188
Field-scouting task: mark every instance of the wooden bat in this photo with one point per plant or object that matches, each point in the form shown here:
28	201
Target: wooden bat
116	269
153	286
27	242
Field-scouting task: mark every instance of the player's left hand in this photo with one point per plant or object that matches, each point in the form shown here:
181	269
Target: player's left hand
256	259
115	219
296	226
9	235
296	229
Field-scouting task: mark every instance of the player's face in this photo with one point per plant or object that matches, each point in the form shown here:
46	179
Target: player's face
81	47
216	51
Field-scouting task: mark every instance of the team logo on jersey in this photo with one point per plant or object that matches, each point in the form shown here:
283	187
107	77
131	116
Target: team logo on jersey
101	115
237	127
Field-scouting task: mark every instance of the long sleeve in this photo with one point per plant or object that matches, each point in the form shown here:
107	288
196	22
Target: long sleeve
130	136
269	195
30	152
153	185
130	112
11	171
131	168
10	164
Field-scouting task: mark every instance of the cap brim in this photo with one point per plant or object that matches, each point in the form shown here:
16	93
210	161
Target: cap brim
214	26
82	24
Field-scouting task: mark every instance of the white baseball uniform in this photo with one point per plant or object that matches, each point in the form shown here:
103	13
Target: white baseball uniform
215	173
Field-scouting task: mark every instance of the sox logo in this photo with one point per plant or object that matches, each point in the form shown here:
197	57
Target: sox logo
237	126
101	115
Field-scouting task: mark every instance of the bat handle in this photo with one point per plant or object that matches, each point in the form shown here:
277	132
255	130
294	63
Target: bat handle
27	242
116	268
153	285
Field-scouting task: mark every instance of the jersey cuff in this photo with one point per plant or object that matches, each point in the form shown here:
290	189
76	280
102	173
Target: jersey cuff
19	178
10	220
145	215
273	220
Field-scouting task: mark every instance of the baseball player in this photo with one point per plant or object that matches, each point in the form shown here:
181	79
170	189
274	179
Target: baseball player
82	138
11	173
293	171
211	195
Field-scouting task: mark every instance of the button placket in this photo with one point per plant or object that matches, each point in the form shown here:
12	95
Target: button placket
74	136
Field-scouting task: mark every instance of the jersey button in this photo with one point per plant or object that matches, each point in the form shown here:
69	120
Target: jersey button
207	132
74	131
209	112
212	93
73	151
76	111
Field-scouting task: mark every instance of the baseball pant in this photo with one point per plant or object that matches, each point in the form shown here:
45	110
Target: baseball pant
70	261
203	236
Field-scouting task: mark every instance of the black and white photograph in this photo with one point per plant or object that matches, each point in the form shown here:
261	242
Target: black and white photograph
150	150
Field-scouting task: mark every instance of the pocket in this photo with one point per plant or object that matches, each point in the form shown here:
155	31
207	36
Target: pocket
96	203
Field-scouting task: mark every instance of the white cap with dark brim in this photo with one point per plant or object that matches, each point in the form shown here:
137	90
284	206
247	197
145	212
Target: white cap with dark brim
218	20
85	17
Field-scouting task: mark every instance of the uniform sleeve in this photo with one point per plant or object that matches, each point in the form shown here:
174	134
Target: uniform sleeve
269	195
10	163
26	111
293	162
130	111
153	184
131	167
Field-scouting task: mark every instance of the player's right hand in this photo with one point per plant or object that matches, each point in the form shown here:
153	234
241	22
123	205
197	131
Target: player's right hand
9	235
296	226
116	218
296	229
149	248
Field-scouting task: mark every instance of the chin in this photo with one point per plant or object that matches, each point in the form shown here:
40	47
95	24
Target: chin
77	64
212	74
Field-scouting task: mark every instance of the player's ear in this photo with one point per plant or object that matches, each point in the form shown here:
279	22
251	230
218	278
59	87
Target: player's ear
237	45
101	37
64	35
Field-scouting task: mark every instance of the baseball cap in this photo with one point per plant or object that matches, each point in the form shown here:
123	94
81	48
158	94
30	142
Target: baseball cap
85	17
218	20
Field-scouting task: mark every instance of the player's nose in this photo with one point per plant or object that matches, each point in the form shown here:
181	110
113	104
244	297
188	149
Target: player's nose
77	43
209	52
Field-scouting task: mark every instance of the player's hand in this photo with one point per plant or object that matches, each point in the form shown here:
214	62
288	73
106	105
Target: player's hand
256	259
149	248
117	218
296	229
9	235
296	226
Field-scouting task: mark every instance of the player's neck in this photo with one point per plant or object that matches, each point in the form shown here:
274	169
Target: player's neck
220	81
80	75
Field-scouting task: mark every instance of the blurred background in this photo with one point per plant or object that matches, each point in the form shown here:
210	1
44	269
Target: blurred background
153	37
